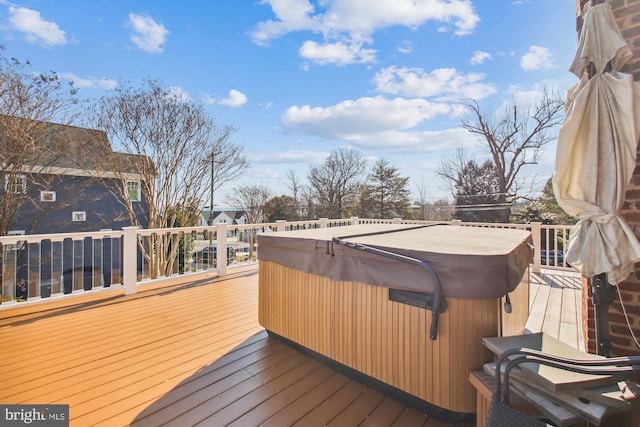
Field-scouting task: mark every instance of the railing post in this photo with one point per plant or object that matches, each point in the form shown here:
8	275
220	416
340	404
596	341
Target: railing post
281	225
456	222
396	220
536	231
221	251
324	222
129	259
355	220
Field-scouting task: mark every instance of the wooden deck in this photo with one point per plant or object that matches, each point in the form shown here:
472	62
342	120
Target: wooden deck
177	353
555	302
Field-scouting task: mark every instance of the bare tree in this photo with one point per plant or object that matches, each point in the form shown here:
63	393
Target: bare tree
297	191
450	168
293	184
29	146
515	139
335	185
178	150
438	210
474	188
253	200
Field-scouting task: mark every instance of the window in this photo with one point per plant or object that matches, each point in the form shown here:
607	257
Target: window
47	196
133	191
19	185
78	216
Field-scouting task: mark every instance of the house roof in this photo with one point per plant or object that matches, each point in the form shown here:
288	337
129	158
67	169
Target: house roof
231	213
63	148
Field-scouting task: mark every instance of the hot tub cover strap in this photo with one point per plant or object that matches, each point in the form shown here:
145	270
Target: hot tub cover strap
437	307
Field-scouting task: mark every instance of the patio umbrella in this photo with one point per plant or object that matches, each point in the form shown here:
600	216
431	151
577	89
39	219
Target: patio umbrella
595	160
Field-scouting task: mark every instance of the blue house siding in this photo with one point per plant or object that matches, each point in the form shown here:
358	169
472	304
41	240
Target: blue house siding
71	264
75	194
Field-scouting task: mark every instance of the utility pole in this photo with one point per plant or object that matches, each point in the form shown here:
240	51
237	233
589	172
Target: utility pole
211	201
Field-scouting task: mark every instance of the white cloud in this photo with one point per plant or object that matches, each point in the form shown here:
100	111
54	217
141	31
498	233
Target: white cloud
289	157
441	83
415	141
522	97
147	34
537	58
292	15
90	82
235	99
527	97
343	21
208	99
339	53
405	46
479	57
178	94
371	114
380	123
35	28
261	174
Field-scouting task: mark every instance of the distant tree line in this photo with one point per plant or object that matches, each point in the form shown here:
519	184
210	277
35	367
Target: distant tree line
487	191
381	192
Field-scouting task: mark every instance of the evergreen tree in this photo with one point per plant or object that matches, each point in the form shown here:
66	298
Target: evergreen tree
385	195
283	207
477	196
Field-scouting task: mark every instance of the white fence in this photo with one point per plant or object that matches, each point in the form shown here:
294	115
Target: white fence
47	266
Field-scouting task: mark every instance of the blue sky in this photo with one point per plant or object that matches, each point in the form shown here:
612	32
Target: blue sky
302	78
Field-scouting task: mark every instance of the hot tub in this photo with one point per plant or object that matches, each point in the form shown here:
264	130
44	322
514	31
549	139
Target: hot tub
365	297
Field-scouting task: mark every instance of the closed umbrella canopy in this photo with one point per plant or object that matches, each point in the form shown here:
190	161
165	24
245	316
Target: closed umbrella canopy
596	153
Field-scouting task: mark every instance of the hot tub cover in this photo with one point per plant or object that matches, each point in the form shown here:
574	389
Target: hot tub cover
471	262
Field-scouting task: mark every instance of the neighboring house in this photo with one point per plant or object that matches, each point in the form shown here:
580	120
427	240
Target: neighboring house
71	187
223	216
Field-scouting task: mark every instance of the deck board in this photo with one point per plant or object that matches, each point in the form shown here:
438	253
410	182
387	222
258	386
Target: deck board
178	352
555	307
384	414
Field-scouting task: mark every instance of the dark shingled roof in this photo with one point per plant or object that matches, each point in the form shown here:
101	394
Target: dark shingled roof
64	146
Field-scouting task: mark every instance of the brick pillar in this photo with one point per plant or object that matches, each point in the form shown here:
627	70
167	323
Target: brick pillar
627	13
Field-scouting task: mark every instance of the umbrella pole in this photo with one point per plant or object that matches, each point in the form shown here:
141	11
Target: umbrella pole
602	295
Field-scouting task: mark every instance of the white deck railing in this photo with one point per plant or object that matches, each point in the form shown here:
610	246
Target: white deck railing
41	267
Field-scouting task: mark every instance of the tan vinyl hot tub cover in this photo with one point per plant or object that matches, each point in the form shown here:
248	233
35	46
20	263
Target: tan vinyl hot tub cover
471	262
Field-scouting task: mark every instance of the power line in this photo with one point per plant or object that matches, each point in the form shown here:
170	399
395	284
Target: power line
482	207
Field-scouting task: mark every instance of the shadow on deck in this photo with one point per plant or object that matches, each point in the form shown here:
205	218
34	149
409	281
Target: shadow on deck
263	382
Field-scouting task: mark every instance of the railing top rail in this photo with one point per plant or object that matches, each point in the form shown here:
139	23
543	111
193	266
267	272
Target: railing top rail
196	228
58	237
252	226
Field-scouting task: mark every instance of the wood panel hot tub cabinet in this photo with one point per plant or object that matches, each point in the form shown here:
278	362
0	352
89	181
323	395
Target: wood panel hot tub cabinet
334	300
